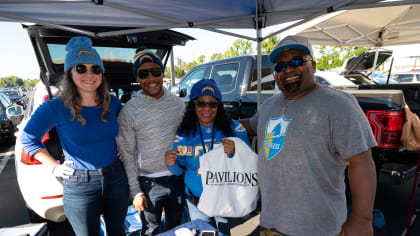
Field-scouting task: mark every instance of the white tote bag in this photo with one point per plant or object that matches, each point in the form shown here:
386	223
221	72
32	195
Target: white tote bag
230	185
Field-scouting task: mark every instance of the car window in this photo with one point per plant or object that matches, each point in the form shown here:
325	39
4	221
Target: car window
191	79
5	101
403	78
225	76
267	80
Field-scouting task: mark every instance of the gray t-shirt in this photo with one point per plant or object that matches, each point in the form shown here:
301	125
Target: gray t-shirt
301	159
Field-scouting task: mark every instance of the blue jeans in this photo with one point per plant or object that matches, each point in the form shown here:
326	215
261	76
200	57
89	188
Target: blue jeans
89	193
221	223
163	193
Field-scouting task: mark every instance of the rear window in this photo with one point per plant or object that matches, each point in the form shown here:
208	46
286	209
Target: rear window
110	54
225	76
403	78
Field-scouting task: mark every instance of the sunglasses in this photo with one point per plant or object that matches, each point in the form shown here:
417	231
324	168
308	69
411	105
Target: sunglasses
282	66
95	69
156	72
201	104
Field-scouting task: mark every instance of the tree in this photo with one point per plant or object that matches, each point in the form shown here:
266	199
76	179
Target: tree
334	56
11	81
216	56
239	47
268	45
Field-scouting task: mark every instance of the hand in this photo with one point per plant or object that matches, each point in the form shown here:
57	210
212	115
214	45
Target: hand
170	157
356	226
140	203
229	146
62	170
120	155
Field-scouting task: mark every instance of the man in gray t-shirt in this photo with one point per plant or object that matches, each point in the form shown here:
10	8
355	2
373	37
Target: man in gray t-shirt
307	136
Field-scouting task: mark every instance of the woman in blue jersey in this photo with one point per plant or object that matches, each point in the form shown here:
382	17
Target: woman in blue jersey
85	115
205	125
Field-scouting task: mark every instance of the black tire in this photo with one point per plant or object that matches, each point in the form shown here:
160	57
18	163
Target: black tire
34	218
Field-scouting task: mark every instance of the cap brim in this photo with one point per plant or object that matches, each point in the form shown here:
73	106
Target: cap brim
276	52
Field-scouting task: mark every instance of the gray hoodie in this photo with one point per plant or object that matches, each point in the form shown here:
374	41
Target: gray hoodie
147	127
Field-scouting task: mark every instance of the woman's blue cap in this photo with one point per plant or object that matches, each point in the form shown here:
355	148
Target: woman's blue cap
80	51
205	87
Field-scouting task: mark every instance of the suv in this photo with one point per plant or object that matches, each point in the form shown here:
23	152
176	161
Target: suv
41	191
10	116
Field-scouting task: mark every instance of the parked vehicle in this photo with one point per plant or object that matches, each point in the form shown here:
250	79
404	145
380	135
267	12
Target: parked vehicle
406	77
383	104
10	116
16	96
43	192
332	78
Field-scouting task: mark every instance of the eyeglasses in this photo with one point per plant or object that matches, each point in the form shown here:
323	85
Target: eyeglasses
81	69
201	104
295	62
155	71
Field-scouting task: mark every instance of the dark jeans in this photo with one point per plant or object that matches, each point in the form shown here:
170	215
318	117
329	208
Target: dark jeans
163	193
90	193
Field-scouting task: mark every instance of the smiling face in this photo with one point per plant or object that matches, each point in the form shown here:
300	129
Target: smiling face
86	82
151	85
296	82
205	113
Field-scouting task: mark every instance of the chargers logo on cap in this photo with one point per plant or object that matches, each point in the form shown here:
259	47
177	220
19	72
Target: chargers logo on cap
207	88
85	51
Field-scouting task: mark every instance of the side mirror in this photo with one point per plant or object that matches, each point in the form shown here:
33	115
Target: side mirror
15	110
183	92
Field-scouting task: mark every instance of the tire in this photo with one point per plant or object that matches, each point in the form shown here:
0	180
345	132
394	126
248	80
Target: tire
33	217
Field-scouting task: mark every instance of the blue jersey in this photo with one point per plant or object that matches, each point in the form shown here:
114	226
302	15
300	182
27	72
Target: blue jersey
190	148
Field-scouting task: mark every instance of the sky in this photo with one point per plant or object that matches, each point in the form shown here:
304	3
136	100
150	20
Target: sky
17	56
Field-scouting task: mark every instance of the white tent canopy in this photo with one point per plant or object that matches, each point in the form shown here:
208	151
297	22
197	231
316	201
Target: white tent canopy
146	15
384	26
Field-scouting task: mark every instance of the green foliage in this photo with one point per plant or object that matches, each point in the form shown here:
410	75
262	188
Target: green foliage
334	56
268	45
14	81
216	56
239	47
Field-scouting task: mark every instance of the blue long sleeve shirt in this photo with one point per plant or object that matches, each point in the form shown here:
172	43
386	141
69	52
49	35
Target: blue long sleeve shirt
89	146
190	149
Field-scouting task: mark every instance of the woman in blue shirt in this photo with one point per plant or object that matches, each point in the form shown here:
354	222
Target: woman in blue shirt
205	125
85	115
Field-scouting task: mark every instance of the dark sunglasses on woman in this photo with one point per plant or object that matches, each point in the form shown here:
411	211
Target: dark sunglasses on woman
295	62
201	104
143	73
95	69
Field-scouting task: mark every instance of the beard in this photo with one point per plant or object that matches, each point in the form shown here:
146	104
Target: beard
292	87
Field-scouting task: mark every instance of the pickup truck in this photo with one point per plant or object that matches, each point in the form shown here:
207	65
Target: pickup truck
383	104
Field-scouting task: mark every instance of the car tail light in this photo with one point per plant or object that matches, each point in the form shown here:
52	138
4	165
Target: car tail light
27	159
387	127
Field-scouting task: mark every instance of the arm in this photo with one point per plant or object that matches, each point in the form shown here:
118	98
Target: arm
245	123
362	179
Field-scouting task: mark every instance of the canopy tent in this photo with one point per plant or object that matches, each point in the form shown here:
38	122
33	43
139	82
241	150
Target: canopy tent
215	15
384	26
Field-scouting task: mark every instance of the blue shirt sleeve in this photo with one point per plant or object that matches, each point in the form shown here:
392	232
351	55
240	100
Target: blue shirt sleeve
240	132
39	124
179	167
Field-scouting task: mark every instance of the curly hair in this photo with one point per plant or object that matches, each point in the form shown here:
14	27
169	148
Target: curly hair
72	100
222	121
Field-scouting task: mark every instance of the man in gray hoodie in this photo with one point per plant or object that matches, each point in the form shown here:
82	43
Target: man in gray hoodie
147	127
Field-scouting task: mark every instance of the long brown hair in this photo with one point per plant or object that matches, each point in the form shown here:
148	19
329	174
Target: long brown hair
72	100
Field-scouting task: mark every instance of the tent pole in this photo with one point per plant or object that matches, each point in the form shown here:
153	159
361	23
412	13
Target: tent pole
259	63
372	75
172	68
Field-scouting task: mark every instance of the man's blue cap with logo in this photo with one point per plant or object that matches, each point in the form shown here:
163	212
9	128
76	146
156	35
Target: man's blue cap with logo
144	55
291	42
80	51
205	87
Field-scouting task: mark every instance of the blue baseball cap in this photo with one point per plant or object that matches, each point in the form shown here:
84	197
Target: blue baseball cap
205	87
291	42
144	55
80	51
